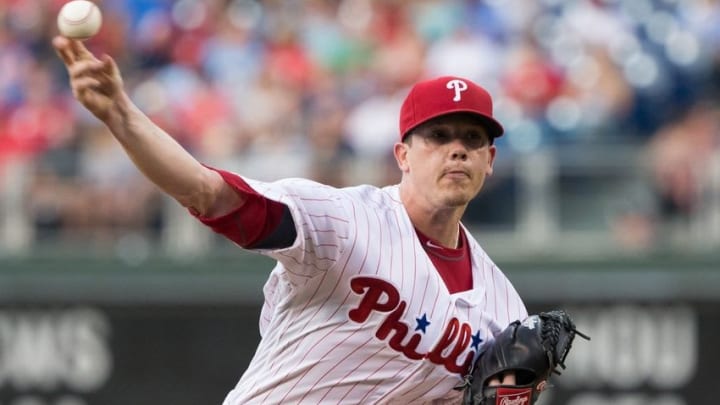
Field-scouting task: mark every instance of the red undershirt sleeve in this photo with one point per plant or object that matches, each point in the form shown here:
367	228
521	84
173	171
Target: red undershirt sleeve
250	223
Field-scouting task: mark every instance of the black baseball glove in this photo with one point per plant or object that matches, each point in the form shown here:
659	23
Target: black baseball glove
532	349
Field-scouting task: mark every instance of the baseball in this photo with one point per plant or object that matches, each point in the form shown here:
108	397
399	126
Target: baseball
79	19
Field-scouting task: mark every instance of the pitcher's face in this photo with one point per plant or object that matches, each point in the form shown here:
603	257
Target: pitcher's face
448	158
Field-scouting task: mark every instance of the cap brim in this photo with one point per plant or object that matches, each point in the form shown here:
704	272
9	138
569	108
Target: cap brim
493	127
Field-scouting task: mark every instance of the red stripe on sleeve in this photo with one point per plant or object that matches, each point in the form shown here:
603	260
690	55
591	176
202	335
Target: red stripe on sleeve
249	223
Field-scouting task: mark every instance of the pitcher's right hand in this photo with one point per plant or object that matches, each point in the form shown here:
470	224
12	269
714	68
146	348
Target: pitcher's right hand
96	82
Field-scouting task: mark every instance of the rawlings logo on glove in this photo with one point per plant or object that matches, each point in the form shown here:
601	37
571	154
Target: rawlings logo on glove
531	350
514	396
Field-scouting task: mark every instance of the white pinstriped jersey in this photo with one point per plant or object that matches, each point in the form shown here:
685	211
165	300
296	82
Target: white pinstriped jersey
355	312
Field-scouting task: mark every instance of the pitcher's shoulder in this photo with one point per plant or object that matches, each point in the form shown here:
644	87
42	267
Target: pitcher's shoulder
367	194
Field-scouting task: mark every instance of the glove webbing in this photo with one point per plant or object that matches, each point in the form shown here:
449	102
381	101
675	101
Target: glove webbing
553	321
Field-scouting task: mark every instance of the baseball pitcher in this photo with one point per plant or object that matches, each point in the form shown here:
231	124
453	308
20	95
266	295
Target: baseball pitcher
379	295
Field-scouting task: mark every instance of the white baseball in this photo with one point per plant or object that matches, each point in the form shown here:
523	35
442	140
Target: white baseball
79	19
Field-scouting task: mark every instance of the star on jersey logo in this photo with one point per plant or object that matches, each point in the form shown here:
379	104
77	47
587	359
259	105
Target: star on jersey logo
422	323
476	340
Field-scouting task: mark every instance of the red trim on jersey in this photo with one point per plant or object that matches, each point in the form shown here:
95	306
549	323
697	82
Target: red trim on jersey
252	221
453	265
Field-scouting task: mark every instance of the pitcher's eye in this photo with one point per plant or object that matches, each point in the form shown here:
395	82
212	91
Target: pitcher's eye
475	139
438	136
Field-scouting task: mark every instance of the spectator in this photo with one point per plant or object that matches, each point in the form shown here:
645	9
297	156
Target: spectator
189	60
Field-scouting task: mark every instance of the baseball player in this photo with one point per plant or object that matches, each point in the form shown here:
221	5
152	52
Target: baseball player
379	295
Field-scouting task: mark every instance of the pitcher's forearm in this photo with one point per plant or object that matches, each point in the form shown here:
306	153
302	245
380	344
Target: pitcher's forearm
98	85
167	164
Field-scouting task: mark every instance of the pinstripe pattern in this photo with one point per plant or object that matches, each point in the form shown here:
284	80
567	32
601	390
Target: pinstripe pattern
353	242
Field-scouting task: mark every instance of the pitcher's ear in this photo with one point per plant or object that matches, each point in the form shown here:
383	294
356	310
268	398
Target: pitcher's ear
400	150
491	160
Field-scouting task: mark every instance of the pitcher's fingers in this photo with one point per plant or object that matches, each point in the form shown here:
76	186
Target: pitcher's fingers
109	66
80	51
85	67
62	48
86	83
507	378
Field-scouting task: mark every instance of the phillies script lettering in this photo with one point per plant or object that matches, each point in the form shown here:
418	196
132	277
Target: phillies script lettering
381	296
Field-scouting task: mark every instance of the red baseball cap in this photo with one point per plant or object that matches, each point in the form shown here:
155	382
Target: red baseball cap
444	95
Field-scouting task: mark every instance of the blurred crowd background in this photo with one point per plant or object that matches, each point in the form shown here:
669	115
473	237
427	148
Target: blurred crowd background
611	109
